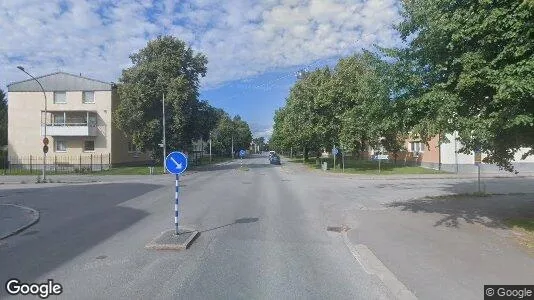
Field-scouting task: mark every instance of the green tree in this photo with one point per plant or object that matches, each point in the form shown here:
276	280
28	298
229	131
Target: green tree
242	134
3	118
165	66
470	66
229	129
366	108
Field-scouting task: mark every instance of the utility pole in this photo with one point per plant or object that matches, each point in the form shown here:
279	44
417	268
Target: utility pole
210	147
164	141
232	147
45	139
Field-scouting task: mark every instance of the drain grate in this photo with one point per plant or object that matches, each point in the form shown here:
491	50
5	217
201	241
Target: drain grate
337	228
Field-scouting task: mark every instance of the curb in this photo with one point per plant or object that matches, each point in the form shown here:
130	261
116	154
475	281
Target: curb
154	245
36	218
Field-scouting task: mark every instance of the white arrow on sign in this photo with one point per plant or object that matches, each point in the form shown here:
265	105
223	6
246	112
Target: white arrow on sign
178	165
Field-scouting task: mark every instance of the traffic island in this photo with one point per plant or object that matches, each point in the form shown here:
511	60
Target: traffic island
16	218
169	240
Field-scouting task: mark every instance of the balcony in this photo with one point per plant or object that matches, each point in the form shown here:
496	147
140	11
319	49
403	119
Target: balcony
70	123
69	129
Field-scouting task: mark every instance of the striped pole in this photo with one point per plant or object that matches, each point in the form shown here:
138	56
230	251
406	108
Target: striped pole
176	205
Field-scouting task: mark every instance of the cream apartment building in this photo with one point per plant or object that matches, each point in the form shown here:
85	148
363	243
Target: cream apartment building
78	121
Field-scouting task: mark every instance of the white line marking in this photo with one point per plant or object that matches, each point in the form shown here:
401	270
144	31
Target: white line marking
365	256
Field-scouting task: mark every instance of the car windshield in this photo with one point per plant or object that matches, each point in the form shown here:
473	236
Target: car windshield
275	149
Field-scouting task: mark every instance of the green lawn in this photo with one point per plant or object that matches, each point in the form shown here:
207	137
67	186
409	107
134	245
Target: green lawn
368	167
525	224
143	170
525	231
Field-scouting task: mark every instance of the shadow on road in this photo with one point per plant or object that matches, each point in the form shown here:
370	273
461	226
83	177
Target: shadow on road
73	220
489	210
238	221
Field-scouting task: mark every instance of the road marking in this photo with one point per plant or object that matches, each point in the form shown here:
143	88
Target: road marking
373	266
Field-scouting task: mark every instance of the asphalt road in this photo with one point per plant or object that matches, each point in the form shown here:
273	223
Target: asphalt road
262	237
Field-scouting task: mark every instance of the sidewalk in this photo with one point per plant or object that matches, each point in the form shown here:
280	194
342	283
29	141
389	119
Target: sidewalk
453	245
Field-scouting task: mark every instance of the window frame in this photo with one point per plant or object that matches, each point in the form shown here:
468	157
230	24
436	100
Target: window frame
55	98
83	97
417	147
56	144
85	148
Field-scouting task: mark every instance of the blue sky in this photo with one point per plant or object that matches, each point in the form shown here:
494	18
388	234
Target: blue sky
254	48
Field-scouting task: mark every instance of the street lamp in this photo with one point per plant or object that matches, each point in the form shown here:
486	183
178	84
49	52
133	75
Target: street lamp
46	113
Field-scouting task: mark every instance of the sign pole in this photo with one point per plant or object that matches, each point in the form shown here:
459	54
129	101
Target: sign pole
379	164
334	152
176	205
478	177
343	160
164	141
176	163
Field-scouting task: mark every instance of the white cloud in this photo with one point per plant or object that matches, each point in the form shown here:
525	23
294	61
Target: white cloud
240	38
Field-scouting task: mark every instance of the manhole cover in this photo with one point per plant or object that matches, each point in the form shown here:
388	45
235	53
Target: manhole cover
101	257
337	228
286	180
247	182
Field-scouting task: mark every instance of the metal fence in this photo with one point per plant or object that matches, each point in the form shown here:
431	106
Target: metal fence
30	164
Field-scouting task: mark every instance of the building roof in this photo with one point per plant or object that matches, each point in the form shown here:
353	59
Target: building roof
60	81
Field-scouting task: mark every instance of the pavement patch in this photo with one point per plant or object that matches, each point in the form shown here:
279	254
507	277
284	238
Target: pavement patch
169	240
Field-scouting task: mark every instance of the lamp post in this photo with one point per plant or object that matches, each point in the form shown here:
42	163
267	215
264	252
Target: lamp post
46	113
164	142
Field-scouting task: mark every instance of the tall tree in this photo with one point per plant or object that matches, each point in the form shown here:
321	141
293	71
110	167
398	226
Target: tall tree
473	63
229	129
165	66
3	118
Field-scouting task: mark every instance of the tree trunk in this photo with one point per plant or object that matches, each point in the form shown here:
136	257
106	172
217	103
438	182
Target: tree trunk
306	152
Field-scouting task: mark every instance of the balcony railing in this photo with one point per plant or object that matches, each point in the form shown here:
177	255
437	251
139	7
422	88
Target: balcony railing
69	129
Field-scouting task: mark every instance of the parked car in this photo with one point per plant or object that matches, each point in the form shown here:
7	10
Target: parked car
275	160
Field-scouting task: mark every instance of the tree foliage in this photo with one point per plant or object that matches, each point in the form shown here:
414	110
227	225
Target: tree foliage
471	65
350	106
165	66
230	129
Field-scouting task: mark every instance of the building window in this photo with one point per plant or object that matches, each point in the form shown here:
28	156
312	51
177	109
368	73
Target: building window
417	147
60	97
61	146
59	119
88	97
89	146
131	147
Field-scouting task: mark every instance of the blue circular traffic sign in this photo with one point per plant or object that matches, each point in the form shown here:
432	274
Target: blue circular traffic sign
242	153
176	162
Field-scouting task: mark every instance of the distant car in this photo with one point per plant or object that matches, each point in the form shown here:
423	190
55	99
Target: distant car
275	160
